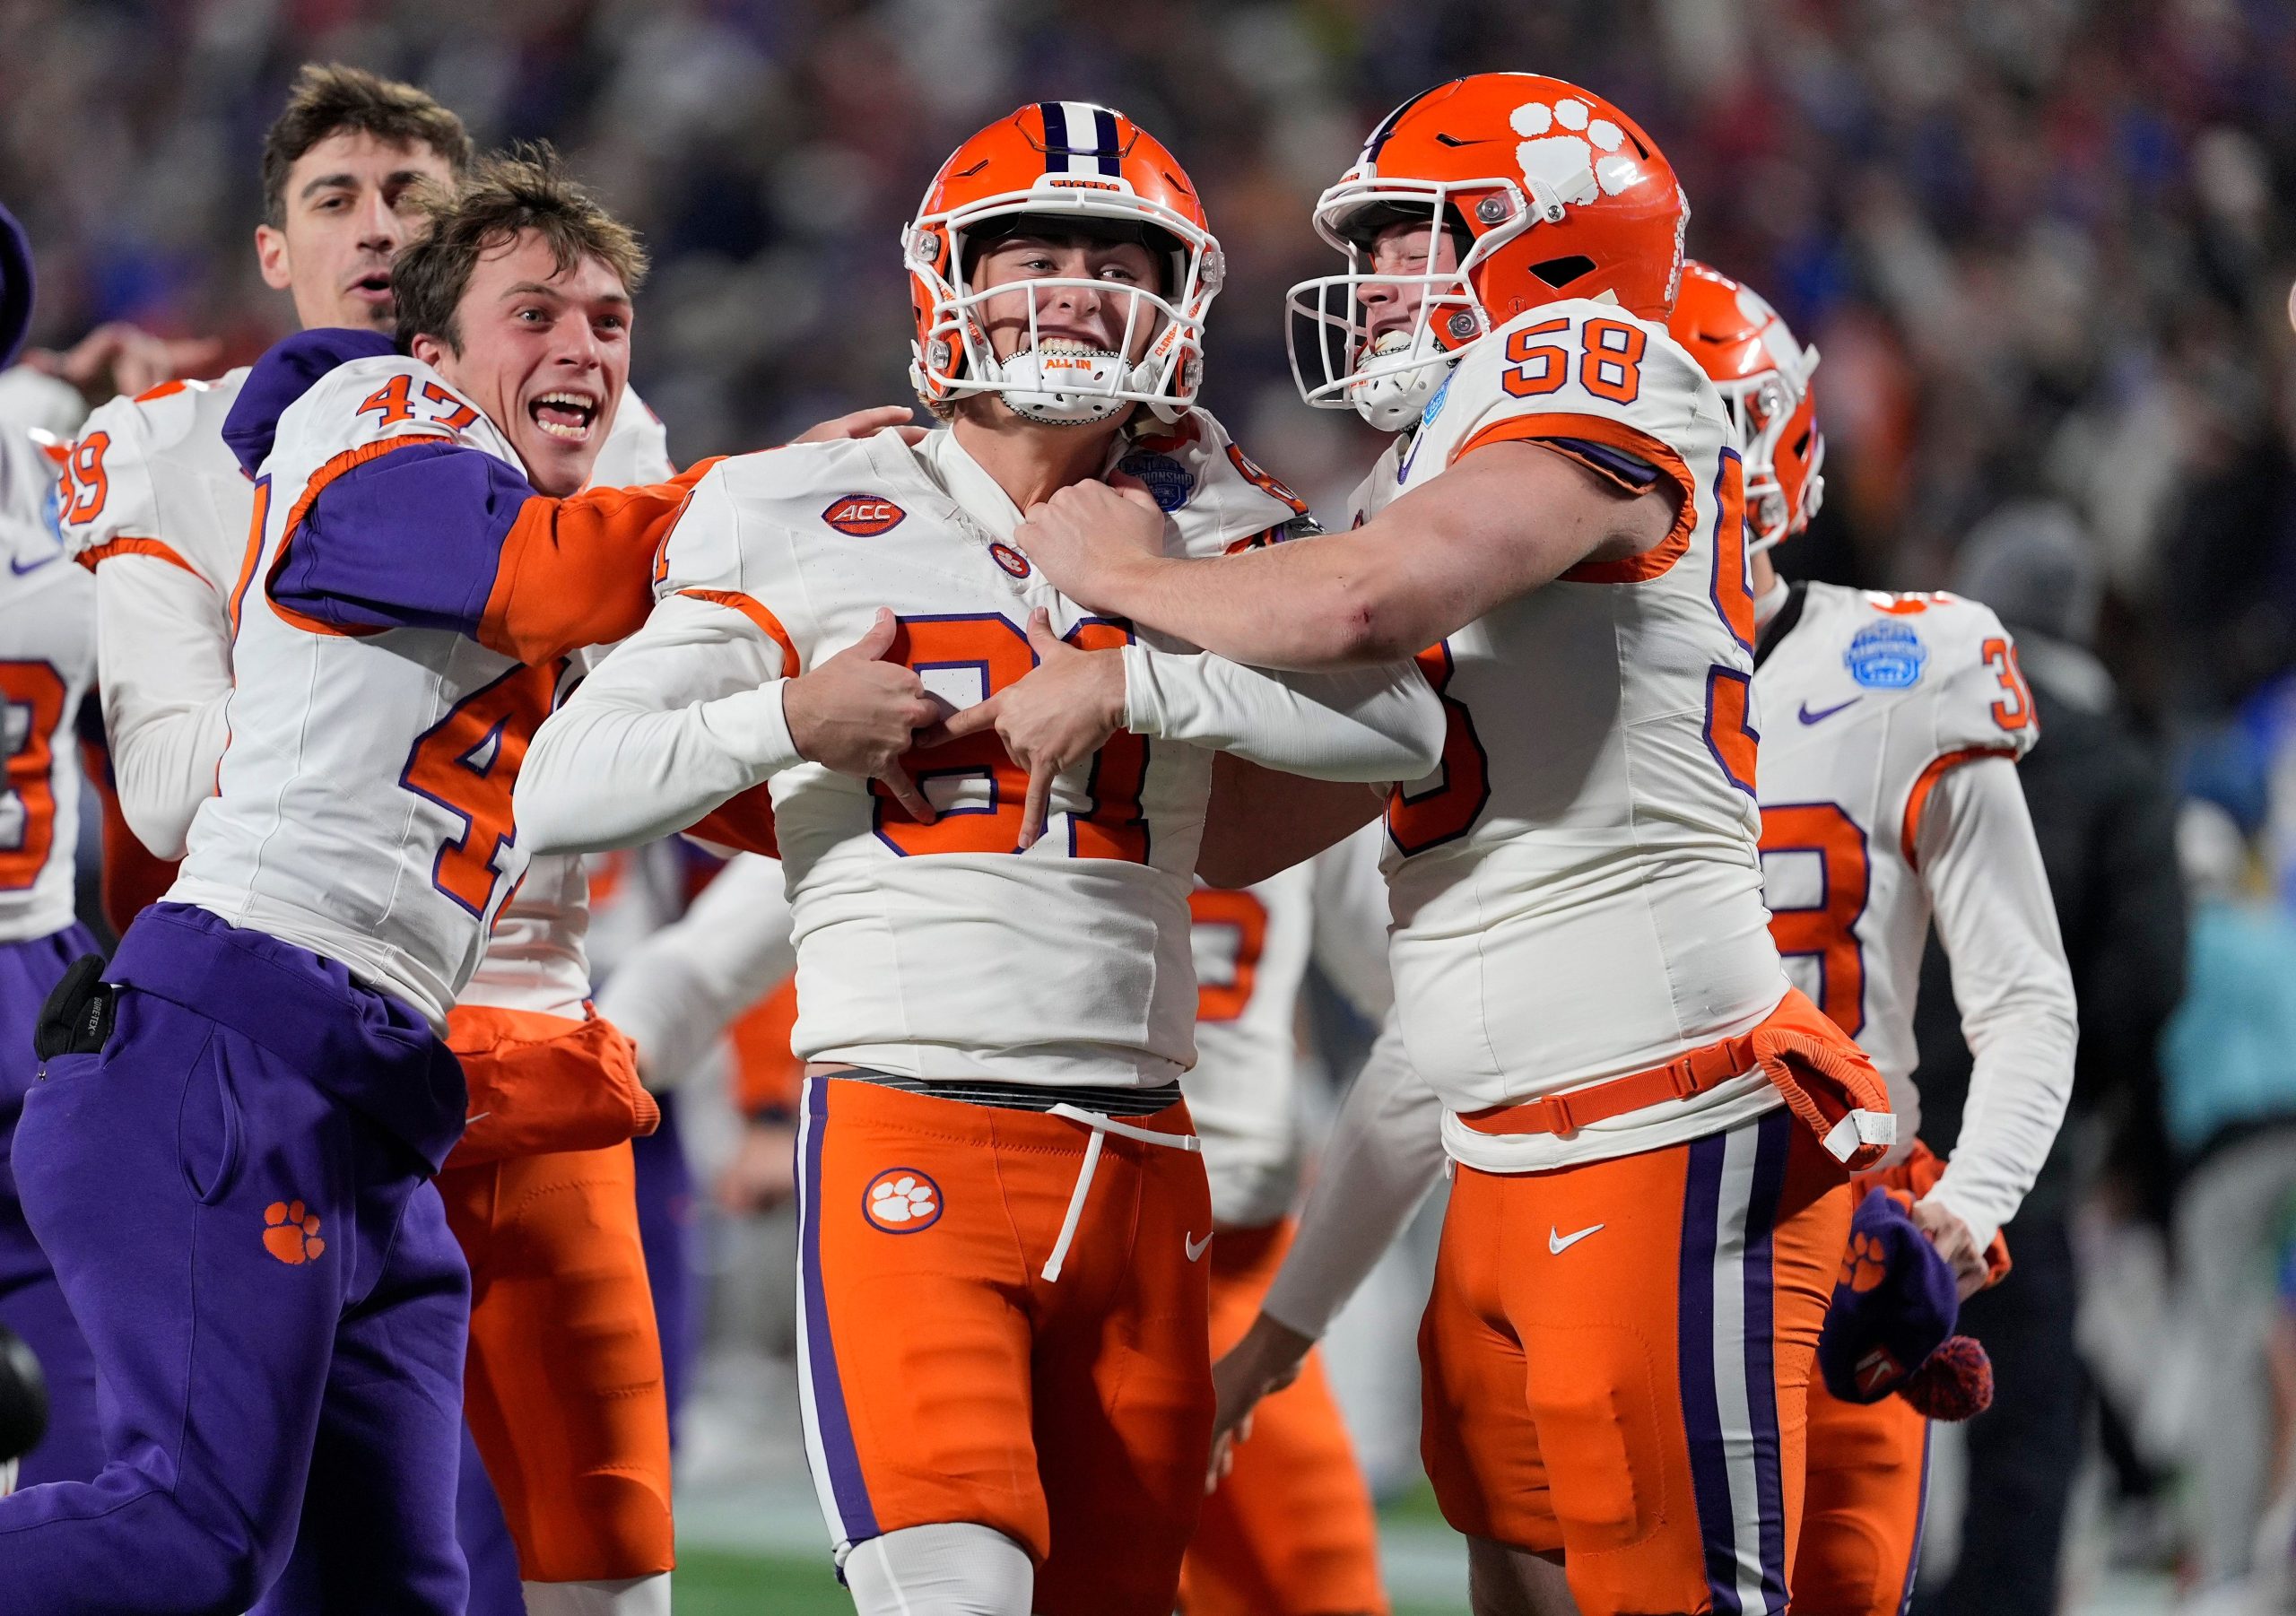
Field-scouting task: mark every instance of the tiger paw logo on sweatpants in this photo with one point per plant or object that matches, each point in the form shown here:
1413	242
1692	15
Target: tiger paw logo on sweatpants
901	1201
292	1234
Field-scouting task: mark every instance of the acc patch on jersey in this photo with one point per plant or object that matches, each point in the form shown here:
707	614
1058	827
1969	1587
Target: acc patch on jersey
1886	657
1169	481
901	1201
863	515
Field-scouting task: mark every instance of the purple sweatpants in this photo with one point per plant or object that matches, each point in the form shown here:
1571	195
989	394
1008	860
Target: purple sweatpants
31	1304
235	1196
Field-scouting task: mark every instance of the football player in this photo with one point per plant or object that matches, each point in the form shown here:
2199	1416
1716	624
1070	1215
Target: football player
264	1079
161	507
48	634
1892	727
1652	1128
1003	1335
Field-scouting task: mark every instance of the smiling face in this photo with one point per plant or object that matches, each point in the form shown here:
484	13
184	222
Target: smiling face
350	203
544	352
1408	247
1082	317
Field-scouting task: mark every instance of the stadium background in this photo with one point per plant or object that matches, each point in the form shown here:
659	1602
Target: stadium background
2043	245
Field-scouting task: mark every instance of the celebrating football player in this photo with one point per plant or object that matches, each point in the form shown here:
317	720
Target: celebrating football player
1652	1126
1887	797
1003	1335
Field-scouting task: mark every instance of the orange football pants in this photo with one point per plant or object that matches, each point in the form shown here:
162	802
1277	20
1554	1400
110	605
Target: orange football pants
563	1386
944	1378
1869	1468
1616	1359
1289	1530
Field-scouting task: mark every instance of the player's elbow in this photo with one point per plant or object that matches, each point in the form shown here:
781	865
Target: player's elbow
1352	625
548	818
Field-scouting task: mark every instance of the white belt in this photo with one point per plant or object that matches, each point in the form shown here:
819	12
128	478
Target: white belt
1102	1126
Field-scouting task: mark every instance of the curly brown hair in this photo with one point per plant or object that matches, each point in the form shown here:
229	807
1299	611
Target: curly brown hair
328	98
507	195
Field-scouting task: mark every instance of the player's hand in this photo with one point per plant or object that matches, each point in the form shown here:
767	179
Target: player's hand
764	1172
858	714
1089	536
117	357
1060	712
865	423
1956	1243
1267	1359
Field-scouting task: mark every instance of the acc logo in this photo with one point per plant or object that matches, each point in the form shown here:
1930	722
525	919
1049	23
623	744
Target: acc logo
1010	559
900	1201
864	515
1886	657
1167	479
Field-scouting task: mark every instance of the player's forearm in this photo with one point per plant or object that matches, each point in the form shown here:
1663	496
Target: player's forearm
163	767
1998	925
604	775
1369	724
1383	1155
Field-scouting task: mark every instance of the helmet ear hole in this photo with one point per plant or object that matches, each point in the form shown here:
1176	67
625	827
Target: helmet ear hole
1559	272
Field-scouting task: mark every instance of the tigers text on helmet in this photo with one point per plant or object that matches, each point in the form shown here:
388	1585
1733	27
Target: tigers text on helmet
1764	377
1061	166
1548	191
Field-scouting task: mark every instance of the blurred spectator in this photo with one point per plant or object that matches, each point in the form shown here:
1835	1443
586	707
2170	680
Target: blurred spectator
2105	818
2228	1087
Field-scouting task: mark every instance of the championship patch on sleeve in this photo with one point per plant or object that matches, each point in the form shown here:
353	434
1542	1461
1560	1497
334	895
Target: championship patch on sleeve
1886	655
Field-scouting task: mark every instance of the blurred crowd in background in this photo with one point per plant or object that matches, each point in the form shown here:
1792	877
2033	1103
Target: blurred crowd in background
2044	246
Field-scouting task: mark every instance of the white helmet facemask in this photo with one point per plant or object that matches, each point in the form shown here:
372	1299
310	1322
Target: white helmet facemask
1057	378
1391	378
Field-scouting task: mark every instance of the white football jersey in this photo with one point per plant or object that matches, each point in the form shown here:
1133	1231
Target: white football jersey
941	950
48	654
150	481
1252	947
362	808
1577	891
1863	701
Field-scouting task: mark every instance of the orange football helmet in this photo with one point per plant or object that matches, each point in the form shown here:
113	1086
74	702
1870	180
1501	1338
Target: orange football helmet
1764	377
1086	168
1548	192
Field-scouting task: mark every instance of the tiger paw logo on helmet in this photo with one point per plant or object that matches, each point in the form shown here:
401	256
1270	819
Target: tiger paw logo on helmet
1571	151
901	1201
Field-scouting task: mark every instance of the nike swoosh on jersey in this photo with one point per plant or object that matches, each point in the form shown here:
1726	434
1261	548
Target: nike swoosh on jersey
1807	716
19	569
1196	1247
1557	1244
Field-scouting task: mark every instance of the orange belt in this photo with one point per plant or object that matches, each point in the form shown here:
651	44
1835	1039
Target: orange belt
1566	1113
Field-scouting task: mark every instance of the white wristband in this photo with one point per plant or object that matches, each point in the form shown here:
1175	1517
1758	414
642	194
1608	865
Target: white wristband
751	726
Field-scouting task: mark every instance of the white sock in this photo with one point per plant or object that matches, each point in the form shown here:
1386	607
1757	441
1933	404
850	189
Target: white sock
955	1569
631	1596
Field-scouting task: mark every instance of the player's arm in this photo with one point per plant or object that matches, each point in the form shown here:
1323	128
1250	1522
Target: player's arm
1373	723
1511	515
701	706
1982	867
1385	1152
678	990
164	653
1260	822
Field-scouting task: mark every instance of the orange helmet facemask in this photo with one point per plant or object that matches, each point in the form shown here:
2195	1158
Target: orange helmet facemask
1549	191
1763	374
1064	166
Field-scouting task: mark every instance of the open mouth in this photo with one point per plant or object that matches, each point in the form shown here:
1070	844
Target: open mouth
375	287
565	416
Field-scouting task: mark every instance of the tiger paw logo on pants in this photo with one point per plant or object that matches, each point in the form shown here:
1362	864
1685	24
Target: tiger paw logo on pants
290	1233
901	1201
